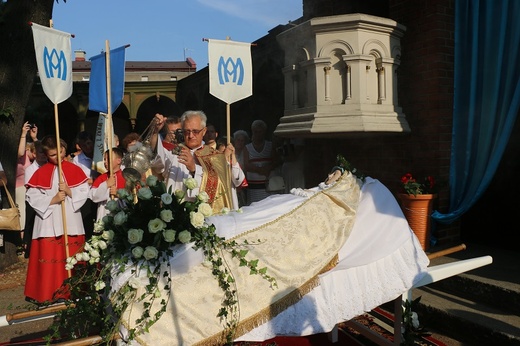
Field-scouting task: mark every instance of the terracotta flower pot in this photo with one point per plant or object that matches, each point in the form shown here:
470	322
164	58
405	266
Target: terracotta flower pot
417	210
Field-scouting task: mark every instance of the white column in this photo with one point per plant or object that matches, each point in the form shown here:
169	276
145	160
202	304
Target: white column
348	83
294	89
326	69
381	85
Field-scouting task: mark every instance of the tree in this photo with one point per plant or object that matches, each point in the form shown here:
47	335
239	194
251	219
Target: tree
17	73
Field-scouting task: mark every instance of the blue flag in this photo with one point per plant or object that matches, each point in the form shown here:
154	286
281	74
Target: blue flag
98	80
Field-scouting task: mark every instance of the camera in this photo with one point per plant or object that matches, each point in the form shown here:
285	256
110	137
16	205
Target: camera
32	126
179	136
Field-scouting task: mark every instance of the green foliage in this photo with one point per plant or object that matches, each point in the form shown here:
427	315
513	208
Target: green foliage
347	166
411	186
411	330
6	113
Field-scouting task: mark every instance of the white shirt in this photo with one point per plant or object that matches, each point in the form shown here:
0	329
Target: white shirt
49	220
175	172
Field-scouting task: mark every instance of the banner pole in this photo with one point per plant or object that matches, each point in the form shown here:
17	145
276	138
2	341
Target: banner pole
108	127
60	175
228	123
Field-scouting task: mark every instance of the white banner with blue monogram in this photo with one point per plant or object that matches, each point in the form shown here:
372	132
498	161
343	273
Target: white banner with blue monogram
54	59
230	70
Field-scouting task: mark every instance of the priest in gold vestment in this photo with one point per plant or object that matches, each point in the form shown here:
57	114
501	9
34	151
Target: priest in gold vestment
218	174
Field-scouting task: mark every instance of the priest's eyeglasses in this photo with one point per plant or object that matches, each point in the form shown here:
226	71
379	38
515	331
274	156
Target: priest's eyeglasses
195	132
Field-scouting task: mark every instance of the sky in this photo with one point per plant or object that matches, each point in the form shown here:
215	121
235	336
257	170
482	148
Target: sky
168	30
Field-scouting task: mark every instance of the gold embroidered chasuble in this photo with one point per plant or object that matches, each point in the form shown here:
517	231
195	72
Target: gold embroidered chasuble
216	178
295	248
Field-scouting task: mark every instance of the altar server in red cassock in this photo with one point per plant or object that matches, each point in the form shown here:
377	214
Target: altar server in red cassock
45	193
106	186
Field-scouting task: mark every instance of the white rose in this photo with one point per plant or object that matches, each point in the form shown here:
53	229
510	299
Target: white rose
145	193
69	266
94	242
102	244
415	320
151	180
225	210
99	285
137	252
240	210
112	206
166	215
190	183
135	235
120	218
87	247
156	225
205	209
179	194
169	235
166	198
85	256
99	226
197	219
108	235
94	253
150	252
72	260
203	196
184	237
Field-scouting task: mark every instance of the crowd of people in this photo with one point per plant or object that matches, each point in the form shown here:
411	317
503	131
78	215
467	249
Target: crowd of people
57	209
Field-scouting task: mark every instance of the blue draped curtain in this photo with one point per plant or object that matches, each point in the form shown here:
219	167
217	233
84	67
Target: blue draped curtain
486	96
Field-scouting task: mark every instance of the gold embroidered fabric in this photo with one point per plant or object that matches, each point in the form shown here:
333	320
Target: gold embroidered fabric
216	180
295	248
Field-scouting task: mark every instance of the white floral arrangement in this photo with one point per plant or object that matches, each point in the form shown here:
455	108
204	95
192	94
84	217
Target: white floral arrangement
141	232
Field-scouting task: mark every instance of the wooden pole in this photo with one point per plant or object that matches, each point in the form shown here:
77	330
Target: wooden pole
228	123
108	123
89	340
33	314
447	251
60	175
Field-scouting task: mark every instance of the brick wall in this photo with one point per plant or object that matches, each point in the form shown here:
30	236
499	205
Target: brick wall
426	89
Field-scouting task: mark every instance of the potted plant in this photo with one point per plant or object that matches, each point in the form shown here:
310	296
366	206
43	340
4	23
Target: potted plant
416	199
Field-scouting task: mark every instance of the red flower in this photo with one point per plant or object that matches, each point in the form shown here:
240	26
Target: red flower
413	187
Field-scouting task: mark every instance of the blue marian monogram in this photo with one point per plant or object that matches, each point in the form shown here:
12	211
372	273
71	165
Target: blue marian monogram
55	62
230	68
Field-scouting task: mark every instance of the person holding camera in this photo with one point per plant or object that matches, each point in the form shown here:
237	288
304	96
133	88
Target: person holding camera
174	171
171	132
26	156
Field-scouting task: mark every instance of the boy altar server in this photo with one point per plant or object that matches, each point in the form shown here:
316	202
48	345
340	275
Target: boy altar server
104	186
45	193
